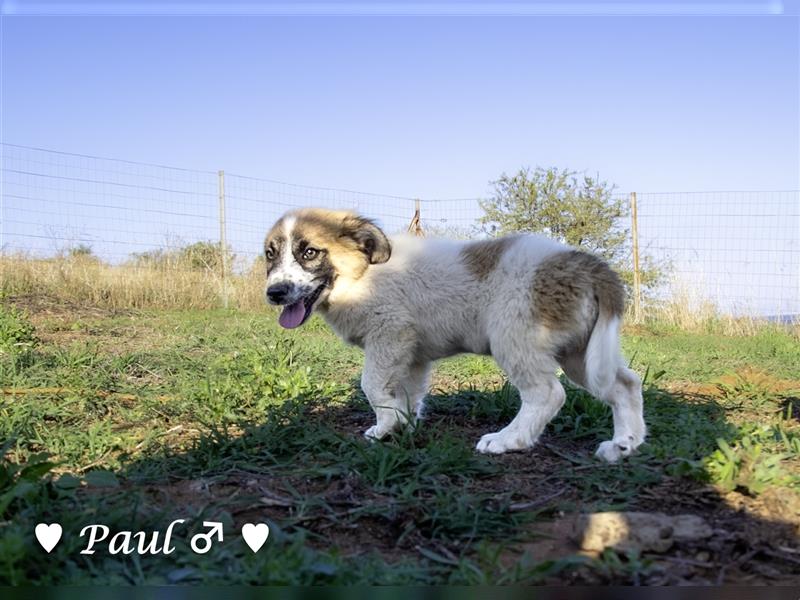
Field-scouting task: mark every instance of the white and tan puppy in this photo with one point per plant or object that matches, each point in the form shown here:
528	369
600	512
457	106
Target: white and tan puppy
530	302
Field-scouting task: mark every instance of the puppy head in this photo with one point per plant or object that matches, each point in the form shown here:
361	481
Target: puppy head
308	250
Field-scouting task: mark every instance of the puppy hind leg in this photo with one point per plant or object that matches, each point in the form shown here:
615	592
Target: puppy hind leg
541	401
625	399
574	368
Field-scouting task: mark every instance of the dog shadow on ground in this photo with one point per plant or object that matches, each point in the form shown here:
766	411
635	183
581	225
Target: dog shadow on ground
426	495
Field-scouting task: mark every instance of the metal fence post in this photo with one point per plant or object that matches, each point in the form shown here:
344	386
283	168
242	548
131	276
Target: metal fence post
223	246
637	275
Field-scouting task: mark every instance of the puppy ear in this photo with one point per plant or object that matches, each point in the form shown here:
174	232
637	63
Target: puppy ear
369	238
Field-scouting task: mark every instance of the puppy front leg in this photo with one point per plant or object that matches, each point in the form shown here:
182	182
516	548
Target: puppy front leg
382	373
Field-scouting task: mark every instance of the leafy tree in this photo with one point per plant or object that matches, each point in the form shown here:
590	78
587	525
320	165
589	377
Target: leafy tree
582	212
575	209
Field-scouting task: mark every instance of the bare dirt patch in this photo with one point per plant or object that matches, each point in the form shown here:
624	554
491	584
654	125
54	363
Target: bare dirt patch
62	323
746	377
752	539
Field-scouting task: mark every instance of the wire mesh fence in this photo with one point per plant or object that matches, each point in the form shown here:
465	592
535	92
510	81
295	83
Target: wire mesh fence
57	201
737	250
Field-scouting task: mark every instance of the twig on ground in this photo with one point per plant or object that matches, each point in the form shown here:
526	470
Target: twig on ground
781	556
520	506
739	561
689	561
57	391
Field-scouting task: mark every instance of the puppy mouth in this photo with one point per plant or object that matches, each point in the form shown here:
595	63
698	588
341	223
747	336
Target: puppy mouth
296	314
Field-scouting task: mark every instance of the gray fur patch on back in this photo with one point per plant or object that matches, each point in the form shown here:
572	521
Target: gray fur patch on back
563	281
481	258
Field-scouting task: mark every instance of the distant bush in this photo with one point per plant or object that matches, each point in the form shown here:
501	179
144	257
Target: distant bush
80	251
199	256
204	255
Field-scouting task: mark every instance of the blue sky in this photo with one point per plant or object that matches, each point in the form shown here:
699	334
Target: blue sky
417	106
431	107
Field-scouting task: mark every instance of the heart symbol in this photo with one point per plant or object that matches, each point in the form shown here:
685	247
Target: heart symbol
48	535
255	535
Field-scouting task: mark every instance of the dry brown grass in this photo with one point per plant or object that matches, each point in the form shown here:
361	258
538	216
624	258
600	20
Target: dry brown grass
684	309
86	280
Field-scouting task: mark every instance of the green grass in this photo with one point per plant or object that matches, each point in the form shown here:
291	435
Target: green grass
701	357
155	415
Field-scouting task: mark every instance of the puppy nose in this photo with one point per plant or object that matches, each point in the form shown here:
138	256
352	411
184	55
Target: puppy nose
277	293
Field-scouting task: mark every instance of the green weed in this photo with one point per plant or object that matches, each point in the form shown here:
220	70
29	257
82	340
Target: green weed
17	341
749	464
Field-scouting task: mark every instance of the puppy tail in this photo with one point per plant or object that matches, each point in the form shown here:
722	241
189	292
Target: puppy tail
603	357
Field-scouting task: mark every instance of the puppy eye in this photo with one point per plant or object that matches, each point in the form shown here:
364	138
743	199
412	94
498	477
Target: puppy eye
310	253
270	254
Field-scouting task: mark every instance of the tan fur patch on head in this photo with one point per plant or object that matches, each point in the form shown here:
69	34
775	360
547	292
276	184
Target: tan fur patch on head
563	281
324	229
321	228
274	233
481	258
351	242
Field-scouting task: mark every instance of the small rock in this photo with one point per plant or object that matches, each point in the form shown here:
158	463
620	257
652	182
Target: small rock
637	531
198	486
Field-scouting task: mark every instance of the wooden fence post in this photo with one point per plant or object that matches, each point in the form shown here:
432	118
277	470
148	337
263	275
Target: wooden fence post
415	226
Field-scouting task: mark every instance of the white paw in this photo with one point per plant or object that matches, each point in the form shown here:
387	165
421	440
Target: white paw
499	442
612	450
375	433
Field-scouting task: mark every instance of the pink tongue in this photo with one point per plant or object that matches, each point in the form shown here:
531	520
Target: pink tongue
292	315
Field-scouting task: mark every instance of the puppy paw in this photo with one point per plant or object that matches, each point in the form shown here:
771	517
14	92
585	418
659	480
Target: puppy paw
611	451
375	433
499	442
